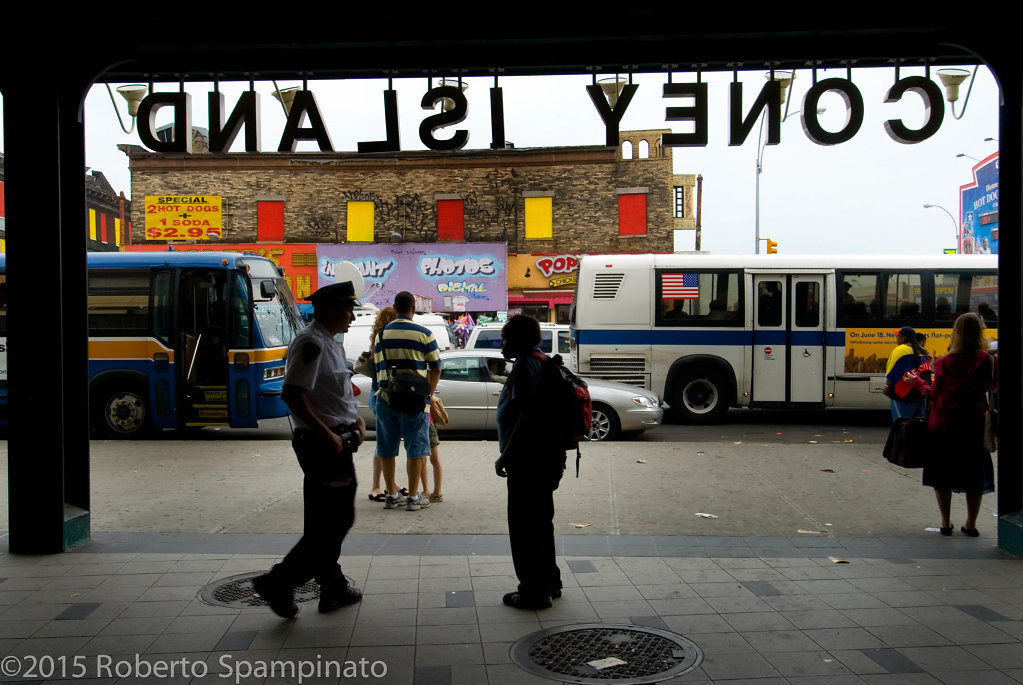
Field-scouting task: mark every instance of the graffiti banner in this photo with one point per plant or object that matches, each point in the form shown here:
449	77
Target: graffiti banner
445	277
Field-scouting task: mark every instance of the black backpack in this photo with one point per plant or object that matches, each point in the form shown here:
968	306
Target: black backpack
568	397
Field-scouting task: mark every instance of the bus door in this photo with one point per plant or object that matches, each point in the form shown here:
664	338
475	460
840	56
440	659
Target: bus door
203	345
242	369
769	339
807	339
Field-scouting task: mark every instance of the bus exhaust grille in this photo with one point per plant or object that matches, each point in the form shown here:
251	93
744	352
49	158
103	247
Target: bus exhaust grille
606	286
617	365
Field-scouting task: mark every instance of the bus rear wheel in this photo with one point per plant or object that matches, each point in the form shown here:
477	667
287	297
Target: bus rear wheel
699	396
122	414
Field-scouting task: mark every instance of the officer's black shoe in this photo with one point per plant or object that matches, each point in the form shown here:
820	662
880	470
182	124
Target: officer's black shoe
521	601
555	593
337	598
280	597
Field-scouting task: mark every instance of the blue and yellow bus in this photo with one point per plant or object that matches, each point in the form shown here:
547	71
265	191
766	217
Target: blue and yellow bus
182	339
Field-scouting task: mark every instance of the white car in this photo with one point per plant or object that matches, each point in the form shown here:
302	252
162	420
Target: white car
471	381
356	340
487	336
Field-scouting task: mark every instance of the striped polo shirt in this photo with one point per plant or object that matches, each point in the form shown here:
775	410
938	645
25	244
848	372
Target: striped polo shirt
407	347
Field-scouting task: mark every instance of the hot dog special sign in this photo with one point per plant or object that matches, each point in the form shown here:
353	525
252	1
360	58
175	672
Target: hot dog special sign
183	217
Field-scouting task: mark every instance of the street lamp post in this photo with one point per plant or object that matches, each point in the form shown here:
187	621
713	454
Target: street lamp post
954	224
761	148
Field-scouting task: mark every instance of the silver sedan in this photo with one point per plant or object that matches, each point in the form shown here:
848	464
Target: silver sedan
471	382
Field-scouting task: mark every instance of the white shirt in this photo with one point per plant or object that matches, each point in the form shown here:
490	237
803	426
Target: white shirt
316	364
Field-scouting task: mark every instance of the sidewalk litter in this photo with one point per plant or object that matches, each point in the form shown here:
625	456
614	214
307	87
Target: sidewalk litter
609	662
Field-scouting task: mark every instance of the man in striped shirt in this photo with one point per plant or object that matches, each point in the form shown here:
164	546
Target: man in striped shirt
404	347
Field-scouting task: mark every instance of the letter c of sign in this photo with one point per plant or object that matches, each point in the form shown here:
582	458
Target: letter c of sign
931	94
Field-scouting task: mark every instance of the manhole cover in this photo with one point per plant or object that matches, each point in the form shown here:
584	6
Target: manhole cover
599	652
236	592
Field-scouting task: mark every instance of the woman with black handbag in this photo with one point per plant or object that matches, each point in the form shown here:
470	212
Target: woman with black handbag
958	404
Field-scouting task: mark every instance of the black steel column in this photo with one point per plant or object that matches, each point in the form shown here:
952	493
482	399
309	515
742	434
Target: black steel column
1010	300
48	439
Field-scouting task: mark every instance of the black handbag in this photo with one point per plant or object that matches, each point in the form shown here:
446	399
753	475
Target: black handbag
407	391
909	442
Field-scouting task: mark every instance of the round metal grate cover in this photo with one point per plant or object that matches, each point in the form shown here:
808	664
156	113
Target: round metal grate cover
626	654
236	592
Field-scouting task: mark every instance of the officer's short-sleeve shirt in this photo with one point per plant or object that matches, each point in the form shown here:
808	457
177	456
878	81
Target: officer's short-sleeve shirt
316	364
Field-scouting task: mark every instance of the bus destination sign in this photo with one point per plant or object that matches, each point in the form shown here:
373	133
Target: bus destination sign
183	217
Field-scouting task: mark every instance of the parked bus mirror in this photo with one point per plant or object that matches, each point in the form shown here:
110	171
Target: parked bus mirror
267	289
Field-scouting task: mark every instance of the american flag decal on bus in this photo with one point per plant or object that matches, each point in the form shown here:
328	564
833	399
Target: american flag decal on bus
680	286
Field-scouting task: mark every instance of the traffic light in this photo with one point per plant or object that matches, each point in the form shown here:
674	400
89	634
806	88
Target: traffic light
772	246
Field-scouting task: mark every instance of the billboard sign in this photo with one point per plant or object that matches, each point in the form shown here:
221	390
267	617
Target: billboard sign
449	277
183	217
978	210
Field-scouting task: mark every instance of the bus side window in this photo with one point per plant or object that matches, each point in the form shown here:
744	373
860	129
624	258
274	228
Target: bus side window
903	297
808	310
161	306
769	304
859	297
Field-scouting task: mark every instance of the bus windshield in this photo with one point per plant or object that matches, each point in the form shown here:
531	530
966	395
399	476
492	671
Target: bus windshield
275	307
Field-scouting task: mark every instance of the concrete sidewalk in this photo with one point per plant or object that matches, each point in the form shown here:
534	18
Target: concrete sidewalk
762	489
871	598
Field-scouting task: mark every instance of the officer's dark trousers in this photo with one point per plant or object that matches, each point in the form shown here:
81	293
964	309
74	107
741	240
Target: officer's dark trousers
328	497
531	531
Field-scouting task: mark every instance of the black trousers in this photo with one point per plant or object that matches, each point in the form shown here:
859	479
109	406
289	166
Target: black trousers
328	499
531	531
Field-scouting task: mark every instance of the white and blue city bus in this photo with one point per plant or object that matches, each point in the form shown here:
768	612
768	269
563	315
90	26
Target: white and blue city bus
708	332
182	339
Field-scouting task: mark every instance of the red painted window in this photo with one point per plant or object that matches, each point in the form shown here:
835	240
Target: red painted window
632	214
451	219
270	220
103	227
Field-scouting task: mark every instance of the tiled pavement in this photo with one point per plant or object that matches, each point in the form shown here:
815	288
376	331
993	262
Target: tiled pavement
761	610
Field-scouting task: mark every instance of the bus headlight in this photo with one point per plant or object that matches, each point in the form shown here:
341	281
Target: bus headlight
273	372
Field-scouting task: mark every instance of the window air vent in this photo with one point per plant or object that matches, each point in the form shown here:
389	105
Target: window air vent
606	286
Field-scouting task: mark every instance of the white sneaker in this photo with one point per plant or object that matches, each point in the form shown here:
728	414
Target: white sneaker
392	502
417	503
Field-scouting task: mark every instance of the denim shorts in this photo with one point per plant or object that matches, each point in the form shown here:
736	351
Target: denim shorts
394	426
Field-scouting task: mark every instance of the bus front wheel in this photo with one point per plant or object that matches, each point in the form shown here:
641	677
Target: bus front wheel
700	396
122	414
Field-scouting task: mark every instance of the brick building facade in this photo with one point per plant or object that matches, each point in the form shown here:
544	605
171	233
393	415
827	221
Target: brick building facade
558	201
599	201
108	212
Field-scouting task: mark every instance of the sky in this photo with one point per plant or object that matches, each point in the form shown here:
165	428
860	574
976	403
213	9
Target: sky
862	196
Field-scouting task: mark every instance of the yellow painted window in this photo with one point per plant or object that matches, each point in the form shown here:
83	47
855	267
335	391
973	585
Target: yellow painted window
117	232
92	224
360	222
539	217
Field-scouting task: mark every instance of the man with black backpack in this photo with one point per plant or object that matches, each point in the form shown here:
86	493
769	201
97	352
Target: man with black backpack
532	462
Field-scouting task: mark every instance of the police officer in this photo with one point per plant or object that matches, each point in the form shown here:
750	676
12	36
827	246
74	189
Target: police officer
318	391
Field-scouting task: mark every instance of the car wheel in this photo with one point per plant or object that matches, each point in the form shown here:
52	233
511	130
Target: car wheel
604	425
700	396
122	414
